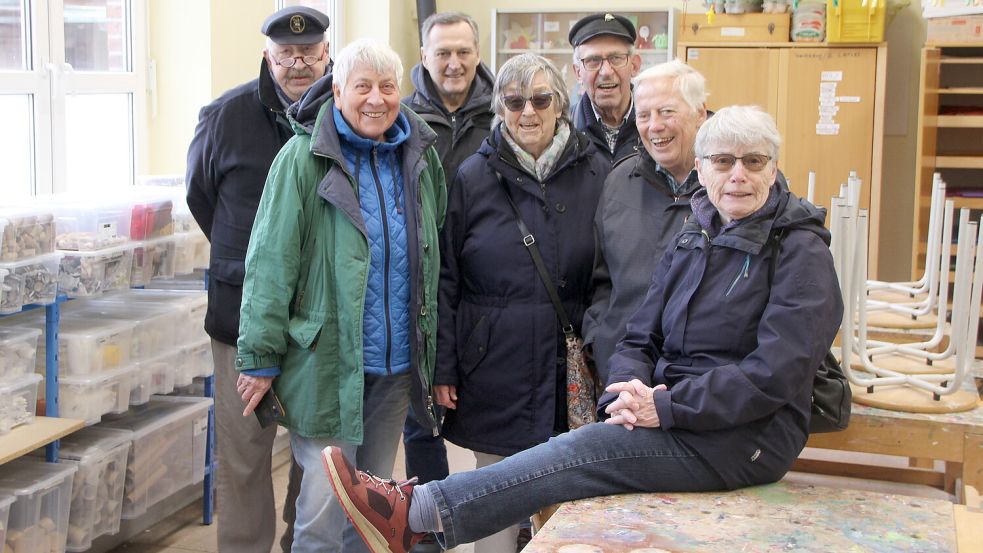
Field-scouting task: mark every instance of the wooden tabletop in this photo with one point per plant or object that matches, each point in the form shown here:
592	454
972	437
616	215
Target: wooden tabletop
775	517
28	437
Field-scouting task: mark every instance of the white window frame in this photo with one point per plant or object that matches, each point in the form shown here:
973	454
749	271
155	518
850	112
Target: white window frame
49	80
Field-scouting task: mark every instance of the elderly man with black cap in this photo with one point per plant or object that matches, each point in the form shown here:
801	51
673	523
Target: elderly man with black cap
605	62
237	137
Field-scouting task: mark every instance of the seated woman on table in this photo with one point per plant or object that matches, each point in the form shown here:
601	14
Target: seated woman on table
710	388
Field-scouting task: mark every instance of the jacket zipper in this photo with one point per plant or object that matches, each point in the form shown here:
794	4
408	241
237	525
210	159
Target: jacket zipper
743	271
385	252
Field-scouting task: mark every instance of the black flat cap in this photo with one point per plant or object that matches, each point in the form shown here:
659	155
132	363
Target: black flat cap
601	24
296	25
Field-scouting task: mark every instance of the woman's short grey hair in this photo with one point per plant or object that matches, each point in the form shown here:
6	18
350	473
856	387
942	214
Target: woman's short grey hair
520	71
447	18
368	53
736	127
690	84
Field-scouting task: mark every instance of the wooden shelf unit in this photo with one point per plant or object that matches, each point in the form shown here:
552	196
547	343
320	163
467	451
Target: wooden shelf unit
789	82
949	143
41	432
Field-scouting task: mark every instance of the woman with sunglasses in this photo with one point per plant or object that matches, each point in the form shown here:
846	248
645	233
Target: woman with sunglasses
501	357
710	387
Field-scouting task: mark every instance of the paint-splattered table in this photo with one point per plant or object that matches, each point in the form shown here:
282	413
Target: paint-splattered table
955	438
776	517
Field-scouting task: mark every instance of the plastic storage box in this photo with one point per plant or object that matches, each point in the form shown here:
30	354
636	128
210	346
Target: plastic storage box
155	376
25	233
86	225
854	21
168	453
92	396
33	280
5	502
190	304
38	521
18	400
151	219
87	273
192	252
88	346
18	351
196	361
97	490
153	259
153	325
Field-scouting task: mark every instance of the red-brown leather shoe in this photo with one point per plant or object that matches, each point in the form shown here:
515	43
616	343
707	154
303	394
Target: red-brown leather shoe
378	508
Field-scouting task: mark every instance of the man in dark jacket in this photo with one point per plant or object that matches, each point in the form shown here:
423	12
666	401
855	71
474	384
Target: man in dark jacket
453	95
235	142
644	203
604	61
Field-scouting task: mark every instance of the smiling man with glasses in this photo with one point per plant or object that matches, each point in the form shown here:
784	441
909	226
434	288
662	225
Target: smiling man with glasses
237	137
604	62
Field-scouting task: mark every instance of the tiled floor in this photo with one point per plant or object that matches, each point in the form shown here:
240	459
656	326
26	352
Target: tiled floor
184	533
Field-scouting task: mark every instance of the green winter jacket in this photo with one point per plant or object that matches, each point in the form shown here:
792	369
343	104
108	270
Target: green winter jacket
306	272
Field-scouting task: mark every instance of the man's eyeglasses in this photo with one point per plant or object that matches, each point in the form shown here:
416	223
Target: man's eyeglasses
725	162
515	102
593	63
290	62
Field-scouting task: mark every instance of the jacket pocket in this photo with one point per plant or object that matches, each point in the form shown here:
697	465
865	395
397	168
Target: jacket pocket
304	332
228	270
475	347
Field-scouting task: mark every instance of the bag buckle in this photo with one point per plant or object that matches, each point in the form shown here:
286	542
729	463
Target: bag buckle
528	240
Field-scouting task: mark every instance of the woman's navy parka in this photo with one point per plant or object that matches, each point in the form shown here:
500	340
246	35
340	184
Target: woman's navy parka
737	353
499	340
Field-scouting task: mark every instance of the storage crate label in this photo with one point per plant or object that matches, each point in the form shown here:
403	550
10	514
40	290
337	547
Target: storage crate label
200	425
107	230
848	99
832	76
827	129
732	31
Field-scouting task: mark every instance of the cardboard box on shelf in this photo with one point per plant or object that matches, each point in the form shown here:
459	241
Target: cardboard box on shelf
955	30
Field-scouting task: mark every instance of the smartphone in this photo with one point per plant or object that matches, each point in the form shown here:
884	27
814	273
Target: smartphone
269	409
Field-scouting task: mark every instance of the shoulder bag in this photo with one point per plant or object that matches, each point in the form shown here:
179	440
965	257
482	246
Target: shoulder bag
581	402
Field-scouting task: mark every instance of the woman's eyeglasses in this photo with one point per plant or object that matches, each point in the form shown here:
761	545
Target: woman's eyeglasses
751	162
515	102
593	63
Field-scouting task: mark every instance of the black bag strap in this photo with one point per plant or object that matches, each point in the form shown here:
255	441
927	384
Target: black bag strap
529	241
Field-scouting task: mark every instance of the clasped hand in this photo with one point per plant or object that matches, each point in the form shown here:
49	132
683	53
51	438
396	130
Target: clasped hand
252	389
634	405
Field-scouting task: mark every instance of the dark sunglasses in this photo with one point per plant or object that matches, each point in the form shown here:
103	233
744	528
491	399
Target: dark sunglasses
726	162
515	102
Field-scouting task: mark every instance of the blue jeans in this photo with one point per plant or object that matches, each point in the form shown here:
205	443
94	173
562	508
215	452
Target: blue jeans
426	454
321	525
594	460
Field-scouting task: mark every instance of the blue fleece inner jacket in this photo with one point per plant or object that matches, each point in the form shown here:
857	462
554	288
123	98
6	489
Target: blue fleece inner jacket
376	167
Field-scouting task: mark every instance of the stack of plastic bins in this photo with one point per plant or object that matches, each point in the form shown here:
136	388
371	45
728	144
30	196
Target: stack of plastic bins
196	361
18	351
25	233
29	281
154	325
168	453
190	304
155	376
97	492
18	398
38	521
94	238
95	373
5	502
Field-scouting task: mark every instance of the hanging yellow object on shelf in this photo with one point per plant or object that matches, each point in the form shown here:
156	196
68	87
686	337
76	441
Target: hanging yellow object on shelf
855	20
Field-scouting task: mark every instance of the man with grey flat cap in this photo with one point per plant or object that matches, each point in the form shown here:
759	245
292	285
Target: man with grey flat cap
236	139
604	61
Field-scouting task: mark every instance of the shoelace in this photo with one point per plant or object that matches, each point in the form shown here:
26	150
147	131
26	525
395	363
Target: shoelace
387	484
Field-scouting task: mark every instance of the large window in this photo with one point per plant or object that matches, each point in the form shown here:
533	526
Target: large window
72	86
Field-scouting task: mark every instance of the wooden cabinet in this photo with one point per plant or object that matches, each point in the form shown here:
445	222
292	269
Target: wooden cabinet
544	32
950	134
828	102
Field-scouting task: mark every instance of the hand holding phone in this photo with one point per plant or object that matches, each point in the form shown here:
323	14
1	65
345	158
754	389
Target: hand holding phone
269	410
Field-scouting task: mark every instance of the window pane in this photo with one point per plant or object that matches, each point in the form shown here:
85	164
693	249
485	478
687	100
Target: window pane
12	35
96	35
17	145
98	142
